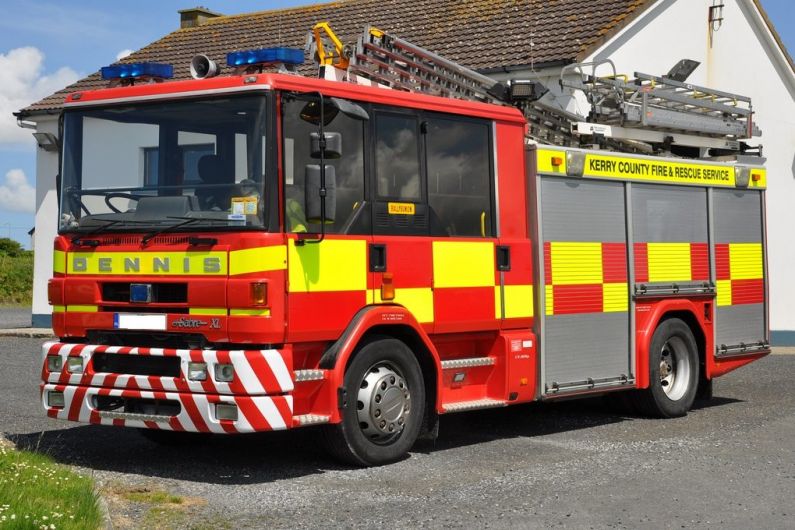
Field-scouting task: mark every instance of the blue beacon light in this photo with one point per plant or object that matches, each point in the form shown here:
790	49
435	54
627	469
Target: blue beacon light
137	70
287	56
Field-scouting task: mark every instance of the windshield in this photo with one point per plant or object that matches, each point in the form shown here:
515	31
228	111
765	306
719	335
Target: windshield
158	165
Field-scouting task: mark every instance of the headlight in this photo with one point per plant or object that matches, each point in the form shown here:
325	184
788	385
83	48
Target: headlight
74	365
197	371
224	373
54	363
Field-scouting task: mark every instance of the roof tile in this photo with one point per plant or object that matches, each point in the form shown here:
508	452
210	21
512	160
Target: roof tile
480	34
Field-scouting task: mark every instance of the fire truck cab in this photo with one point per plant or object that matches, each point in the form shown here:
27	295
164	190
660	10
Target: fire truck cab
268	251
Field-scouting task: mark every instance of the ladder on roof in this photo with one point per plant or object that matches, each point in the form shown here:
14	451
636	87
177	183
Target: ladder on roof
645	114
653	108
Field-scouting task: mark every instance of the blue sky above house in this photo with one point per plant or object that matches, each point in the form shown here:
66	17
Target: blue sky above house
52	42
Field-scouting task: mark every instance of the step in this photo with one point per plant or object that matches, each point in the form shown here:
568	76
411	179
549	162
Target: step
302	376
467	363
310	419
476	404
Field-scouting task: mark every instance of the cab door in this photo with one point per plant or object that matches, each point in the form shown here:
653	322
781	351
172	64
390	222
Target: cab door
400	254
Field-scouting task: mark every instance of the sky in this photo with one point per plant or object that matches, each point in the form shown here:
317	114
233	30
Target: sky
48	44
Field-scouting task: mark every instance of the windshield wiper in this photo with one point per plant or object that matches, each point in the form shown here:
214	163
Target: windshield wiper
185	221
79	238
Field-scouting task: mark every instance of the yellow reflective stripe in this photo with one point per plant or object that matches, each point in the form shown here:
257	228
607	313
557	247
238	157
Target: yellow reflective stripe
463	264
207	311
58	308
745	261
576	263
258	259
82	309
497	302
149	263
615	297
549	306
264	312
332	265
724	296
518	301
669	262
419	301
59	261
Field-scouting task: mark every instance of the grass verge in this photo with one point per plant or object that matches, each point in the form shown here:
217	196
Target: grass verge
16	278
36	492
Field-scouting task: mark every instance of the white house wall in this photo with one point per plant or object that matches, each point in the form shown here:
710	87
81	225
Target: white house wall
46	224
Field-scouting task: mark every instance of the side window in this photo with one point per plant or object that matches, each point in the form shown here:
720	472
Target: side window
459	177
350	215
397	158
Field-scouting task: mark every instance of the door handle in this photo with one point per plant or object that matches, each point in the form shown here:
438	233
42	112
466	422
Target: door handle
377	257
503	258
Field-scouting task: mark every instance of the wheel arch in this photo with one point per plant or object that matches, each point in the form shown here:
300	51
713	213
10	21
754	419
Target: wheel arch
386	321
686	311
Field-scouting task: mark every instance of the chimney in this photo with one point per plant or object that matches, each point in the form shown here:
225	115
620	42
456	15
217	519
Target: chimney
195	16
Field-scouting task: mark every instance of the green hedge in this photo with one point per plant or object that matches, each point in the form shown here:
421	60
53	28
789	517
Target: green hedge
16	278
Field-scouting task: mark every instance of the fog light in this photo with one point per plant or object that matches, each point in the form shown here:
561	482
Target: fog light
74	365
54	363
197	371
224	373
226	411
55	399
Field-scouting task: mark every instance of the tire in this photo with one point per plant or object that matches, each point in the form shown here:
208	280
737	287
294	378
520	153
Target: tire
673	371
383	372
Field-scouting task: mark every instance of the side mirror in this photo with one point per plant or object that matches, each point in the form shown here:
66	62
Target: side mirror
333	148
313	197
331	107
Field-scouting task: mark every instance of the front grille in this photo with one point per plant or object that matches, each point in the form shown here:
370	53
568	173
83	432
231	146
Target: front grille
120	363
145	309
164	293
190	341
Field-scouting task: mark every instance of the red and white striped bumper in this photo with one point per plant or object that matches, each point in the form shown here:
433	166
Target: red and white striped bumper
260	389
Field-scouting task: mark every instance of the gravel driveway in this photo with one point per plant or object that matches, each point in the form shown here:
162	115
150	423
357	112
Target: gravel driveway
577	464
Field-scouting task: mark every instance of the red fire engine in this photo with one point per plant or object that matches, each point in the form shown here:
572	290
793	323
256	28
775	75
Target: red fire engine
265	251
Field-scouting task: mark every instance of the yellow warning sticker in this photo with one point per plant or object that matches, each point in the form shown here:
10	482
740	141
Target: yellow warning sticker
400	208
244	205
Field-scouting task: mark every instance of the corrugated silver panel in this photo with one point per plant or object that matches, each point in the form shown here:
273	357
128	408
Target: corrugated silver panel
582	210
669	214
738	219
740	324
738	216
586	345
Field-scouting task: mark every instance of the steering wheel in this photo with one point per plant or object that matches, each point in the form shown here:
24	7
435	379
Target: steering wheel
118	195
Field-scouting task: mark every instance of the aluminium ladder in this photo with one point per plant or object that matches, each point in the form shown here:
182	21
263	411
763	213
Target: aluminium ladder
646	114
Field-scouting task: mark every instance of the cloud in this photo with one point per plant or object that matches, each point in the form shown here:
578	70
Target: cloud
124	53
16	195
22	82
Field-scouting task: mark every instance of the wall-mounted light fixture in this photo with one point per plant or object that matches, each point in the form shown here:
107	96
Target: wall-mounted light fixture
47	141
715	15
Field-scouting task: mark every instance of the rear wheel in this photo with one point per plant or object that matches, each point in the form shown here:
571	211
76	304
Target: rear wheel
673	371
385	405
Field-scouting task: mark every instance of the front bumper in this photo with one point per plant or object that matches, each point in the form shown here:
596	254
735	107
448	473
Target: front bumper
260	389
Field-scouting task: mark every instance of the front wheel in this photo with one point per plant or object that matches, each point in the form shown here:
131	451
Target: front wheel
385	405
673	371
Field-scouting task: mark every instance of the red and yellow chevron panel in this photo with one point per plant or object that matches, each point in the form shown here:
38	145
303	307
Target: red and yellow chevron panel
671	262
740	273
585	277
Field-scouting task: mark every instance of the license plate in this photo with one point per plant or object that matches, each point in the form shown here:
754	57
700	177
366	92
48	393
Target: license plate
134	321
